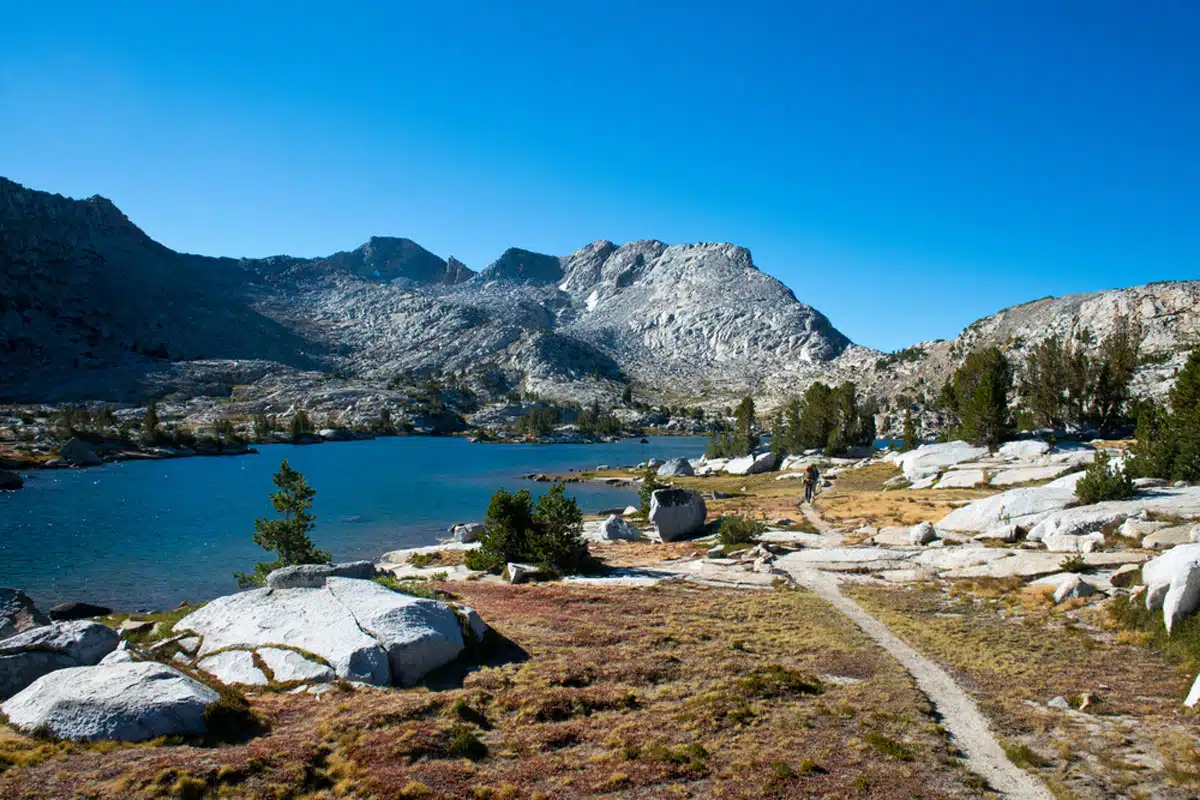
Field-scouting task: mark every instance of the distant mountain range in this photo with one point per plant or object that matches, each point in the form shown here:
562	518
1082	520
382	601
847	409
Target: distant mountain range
89	303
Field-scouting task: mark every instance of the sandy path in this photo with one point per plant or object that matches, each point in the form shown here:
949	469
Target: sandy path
960	716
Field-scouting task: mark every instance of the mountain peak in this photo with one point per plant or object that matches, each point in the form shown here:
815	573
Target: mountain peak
523	266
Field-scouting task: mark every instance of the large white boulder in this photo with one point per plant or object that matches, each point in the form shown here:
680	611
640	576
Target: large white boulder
1193	695
1167	537
752	465
1024	449
960	479
468	532
674	467
35	652
676	513
921	533
128	702
933	458
364	631
610	529
310	619
418	635
1024	507
1072	588
1079	521
1178	571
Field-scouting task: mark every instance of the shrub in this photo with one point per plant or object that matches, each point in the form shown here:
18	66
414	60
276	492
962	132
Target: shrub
1075	563
1102	481
548	534
736	529
465	744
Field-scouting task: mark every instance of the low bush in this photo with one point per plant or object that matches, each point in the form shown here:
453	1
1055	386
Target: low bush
1103	481
1075	563
736	529
465	744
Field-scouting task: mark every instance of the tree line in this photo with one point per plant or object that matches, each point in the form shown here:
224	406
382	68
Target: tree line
832	419
1058	384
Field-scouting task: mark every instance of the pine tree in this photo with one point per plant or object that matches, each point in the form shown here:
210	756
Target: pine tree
1113	372
262	428
910	432
150	421
744	421
300	424
288	537
977	394
549	534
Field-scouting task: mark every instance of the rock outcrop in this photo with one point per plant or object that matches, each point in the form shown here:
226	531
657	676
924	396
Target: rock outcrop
35	652
10	481
677	513
312	576
1173	583
674	467
357	628
128	702
611	529
18	613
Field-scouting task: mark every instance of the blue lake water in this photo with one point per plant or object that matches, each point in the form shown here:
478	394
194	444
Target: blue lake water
148	534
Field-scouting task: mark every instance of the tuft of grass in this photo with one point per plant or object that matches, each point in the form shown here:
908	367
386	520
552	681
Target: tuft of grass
1141	626
422	560
416	588
1023	756
889	746
189	788
230	718
465	744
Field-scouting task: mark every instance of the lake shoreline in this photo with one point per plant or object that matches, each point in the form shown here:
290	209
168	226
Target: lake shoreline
148	533
114	451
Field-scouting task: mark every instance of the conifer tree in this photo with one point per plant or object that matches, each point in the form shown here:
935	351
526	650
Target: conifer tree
150	421
910	432
288	537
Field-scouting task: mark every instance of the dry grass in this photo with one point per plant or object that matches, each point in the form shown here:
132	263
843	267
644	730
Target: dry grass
858	497
677	691
1013	650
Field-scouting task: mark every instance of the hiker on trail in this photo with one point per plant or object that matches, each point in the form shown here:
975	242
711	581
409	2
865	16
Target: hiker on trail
811	476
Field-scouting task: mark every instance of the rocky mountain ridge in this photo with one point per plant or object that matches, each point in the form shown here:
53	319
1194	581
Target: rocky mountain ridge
1167	313
91	308
93	305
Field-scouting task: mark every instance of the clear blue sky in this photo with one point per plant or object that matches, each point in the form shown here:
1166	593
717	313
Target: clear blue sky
906	167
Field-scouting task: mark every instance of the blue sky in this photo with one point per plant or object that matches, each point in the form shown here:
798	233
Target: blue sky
905	167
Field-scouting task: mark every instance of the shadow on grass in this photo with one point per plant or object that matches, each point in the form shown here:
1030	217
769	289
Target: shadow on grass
496	650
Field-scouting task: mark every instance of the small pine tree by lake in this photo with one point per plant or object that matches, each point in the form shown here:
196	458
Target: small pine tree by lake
288	537
548	533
